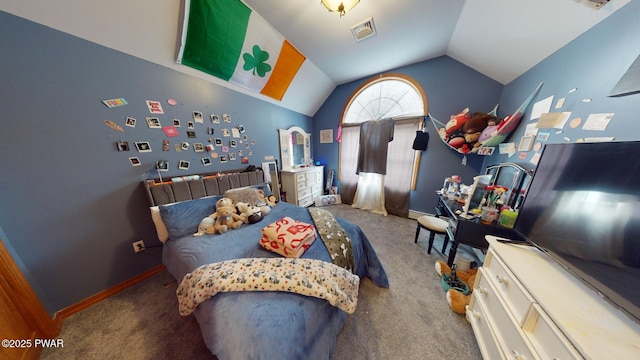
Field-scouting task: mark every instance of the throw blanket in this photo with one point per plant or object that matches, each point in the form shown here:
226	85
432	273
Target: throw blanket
288	237
309	277
334	237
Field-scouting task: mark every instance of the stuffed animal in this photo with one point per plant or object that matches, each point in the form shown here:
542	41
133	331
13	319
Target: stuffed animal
226	218
249	213
456	121
268	202
207	226
488	132
457	300
473	127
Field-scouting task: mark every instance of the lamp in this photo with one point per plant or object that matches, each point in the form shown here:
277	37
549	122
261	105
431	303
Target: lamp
339	6
162	165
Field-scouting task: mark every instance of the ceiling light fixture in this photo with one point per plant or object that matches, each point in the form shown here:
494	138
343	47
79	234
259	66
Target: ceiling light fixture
339	6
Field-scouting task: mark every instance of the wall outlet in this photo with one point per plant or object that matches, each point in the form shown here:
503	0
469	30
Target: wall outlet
138	246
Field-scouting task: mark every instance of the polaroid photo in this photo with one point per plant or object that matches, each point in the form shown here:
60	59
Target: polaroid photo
198	147
184	146
233	143
210	131
225	149
153	122
223	158
206	161
184	165
190	125
486	151
122	145
232	156
143	146
226	118
215	119
130	122
241	128
226	132
197	116
176	122
134	161
250	152
218	141
244	160
191	134
235	132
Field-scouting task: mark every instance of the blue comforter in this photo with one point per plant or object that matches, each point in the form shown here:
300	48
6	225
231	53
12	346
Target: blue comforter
267	325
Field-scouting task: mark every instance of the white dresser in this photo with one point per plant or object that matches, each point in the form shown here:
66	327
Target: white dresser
526	306
302	185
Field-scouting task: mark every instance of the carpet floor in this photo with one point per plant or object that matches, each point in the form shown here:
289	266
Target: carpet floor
410	320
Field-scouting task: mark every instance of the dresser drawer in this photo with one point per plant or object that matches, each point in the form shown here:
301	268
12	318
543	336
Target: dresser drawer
301	177
545	337
507	330
487	343
305	201
301	184
515	296
304	193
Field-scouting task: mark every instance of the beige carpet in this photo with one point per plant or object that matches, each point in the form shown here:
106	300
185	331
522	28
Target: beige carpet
410	320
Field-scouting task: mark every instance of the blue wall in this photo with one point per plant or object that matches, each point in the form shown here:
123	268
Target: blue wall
592	63
450	87
71	204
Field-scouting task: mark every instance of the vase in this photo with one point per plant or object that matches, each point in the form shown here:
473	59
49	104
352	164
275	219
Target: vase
489	215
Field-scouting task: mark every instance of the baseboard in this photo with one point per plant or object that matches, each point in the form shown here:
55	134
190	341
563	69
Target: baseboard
94	299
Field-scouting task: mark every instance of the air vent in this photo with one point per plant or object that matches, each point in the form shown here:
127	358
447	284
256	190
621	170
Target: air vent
363	30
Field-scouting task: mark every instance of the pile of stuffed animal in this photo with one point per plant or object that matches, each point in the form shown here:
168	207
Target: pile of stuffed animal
466	132
232	214
457	300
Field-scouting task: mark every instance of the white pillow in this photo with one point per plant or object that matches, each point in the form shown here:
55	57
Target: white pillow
161	228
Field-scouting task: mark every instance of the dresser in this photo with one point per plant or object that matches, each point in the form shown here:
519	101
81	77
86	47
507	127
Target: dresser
302	185
524	306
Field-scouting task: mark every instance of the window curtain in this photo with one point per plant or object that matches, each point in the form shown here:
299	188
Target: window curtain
401	160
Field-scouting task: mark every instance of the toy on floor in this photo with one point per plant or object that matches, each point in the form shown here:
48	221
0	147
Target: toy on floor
457	300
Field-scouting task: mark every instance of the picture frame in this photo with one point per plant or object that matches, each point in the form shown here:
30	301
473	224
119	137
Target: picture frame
184	145
526	143
130	122
326	136
486	151
143	146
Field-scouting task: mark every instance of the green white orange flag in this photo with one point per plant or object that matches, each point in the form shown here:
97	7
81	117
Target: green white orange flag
225	38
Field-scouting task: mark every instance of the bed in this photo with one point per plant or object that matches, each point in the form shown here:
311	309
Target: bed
251	324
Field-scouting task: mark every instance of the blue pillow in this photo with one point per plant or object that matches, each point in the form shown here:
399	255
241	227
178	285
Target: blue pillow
183	218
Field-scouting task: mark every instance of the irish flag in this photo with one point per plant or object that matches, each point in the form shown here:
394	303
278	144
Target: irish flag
226	39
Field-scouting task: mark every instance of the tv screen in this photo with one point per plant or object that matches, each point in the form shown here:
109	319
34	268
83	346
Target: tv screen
583	209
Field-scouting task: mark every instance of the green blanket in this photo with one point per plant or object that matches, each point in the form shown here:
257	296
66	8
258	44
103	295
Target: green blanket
334	237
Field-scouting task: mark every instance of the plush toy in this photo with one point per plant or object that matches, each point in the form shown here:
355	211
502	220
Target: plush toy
269	202
207	226
456	121
488	132
473	127
226	218
249	213
457	300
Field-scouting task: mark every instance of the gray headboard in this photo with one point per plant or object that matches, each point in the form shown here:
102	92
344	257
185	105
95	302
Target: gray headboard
196	186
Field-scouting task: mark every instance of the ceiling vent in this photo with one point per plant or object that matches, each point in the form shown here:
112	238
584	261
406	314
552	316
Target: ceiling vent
363	30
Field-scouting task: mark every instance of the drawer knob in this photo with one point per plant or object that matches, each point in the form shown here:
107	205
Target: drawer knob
502	280
518	356
476	314
482	290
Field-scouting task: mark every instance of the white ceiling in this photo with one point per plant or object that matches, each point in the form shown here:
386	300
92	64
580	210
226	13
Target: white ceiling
499	38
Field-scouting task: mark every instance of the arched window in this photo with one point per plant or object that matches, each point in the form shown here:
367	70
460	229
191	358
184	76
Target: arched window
390	96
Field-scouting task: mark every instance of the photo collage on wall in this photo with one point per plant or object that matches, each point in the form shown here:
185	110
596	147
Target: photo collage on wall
215	137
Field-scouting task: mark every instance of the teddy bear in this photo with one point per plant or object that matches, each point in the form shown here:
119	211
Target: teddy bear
457	300
249	213
473	128
226	218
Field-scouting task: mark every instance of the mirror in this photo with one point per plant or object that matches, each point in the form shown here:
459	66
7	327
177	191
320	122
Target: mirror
295	148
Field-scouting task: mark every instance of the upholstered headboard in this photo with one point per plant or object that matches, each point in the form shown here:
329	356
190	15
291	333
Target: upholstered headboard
196	186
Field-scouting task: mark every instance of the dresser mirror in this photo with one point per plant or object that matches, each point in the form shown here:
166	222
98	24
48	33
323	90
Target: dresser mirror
295	148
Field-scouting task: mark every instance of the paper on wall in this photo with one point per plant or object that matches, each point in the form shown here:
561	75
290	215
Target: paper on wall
555	120
541	107
597	122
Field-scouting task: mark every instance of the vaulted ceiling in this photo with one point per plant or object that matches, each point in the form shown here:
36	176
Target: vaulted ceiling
499	38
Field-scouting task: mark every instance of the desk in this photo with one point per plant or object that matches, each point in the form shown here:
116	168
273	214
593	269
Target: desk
470	232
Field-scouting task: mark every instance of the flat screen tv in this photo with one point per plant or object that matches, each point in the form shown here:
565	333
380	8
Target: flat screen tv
583	209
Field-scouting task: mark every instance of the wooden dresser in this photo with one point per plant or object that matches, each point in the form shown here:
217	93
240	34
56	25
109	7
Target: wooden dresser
302	185
526	306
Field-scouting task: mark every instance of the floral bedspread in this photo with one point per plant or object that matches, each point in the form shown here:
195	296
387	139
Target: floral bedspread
308	277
